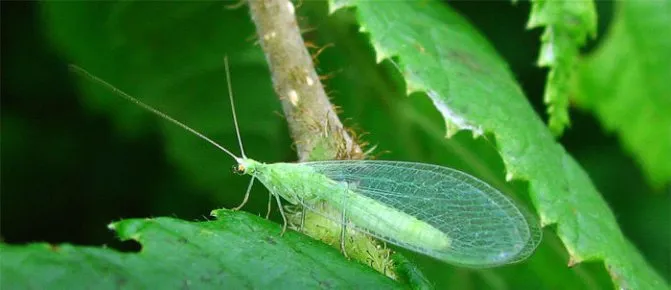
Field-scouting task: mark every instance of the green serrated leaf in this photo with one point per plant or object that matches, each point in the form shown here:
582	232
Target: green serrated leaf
625	82
439	53
567	25
236	251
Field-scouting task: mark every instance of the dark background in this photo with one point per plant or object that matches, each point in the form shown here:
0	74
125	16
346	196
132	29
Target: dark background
58	155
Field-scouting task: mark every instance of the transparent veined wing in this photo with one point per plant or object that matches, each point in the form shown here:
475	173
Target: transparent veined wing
485	227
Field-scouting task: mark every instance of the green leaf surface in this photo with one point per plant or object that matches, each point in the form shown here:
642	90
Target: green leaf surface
236	251
567	24
440	54
625	82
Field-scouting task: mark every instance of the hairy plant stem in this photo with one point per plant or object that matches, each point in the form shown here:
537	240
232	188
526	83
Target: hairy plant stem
316	130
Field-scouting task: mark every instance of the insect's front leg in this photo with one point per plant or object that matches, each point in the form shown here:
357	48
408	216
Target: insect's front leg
249	189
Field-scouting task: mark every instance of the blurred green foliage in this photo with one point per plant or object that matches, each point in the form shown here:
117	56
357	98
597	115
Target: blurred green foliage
75	160
625	83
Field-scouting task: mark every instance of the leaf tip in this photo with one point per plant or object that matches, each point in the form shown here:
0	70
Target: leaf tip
412	87
573	260
214	213
477	134
135	237
509	176
220	213
450	129
380	53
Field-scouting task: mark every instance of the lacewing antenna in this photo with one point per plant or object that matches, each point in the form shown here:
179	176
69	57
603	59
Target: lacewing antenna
235	117
156	112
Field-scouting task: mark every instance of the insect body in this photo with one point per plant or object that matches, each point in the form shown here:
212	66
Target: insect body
434	210
430	209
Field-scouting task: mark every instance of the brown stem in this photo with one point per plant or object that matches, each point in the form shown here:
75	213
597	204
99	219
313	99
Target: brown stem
314	124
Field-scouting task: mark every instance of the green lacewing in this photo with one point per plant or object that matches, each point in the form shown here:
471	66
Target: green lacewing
430	209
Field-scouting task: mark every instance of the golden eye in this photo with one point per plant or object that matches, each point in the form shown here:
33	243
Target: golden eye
239	169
